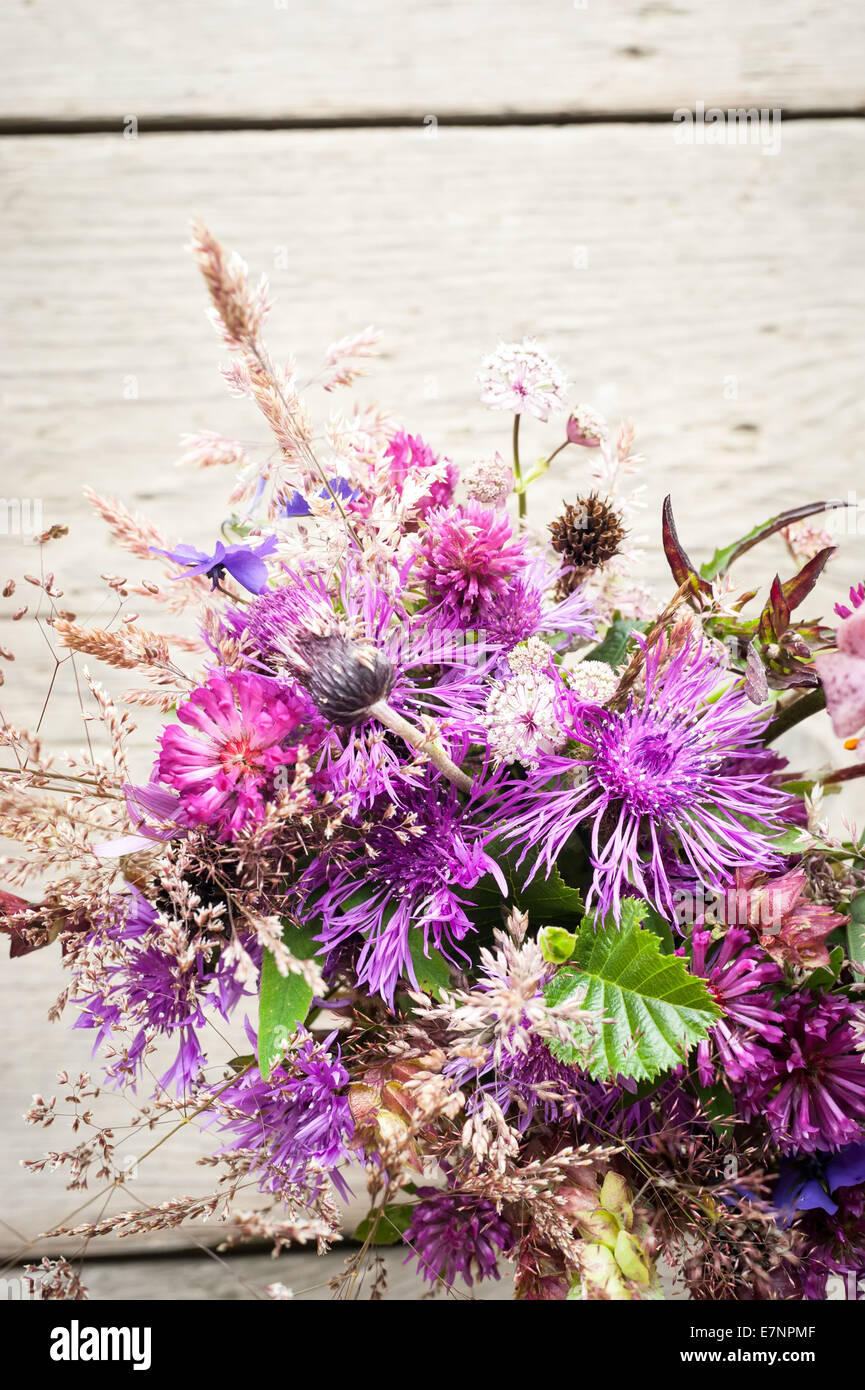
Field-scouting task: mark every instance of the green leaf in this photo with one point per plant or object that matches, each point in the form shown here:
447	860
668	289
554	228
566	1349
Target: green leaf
395	1218
648	1009
821	978
283	1003
299	937
557	945
545	899
614	647
432	971
723	559
717	1106
856	933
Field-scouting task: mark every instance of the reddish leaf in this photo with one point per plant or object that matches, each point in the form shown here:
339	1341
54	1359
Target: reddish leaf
680	563
800	586
775	618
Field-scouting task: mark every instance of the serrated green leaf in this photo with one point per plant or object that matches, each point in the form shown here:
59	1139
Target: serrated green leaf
394	1220
283	1003
648	1009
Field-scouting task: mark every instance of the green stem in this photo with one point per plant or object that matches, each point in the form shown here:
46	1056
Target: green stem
422	742
794	713
518	472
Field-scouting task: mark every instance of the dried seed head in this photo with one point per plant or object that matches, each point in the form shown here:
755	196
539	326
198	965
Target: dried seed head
586	535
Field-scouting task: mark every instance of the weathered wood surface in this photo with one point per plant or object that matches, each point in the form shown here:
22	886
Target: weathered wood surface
712	295
205	1275
282	59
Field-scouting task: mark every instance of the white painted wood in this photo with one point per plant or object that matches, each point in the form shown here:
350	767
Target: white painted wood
719	306
308	59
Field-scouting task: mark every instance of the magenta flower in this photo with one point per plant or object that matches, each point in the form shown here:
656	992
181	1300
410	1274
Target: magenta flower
843	672
810	1089
410	458
454	1234
659	779
239	730
467	559
857	598
737	973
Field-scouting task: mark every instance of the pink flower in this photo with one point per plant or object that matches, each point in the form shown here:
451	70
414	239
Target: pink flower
520	377
240	730
793	930
411	460
468	557
843	672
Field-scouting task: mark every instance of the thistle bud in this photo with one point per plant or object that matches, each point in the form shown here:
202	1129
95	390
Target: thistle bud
343	677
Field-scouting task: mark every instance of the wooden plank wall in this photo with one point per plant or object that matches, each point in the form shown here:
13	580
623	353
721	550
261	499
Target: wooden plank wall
713	295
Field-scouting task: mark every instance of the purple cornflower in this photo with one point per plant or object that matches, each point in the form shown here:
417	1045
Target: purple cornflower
456	1234
662	773
373	651
299	1117
239	731
737	973
810	1088
413	869
522	610
151	991
244	563
467	558
409	459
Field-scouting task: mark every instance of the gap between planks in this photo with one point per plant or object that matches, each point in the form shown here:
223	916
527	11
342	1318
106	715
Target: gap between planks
177	125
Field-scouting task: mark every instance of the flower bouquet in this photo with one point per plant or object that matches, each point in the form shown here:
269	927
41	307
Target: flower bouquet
467	881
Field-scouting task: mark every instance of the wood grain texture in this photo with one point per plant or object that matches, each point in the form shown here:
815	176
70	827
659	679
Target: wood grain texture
287	59
714	296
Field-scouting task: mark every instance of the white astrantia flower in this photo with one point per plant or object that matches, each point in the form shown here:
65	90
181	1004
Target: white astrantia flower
522	378
522	719
594	681
490	481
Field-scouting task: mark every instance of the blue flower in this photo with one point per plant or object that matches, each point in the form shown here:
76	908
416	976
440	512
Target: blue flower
297	504
243	562
809	1183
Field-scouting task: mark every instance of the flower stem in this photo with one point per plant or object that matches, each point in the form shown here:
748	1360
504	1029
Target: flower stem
518	472
415	738
794	713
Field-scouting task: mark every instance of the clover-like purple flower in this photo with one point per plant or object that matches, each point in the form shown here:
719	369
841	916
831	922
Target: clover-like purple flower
810	1088
456	1235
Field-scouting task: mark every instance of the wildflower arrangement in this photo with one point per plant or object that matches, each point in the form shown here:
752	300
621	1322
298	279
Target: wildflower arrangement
466	875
